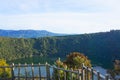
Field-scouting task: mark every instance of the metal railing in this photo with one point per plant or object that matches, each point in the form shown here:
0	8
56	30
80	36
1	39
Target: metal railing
48	72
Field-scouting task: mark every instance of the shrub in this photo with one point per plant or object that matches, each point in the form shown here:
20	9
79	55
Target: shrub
4	72
74	61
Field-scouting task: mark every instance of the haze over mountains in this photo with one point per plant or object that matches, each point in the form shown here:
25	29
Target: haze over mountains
27	33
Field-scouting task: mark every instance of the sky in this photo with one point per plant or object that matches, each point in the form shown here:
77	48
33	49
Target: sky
60	16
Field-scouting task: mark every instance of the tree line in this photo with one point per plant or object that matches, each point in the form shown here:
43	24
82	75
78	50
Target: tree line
101	48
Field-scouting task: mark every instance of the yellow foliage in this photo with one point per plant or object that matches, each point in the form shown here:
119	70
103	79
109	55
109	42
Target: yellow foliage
4	72
75	60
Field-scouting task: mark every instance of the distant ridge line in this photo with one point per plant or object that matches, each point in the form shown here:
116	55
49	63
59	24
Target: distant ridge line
27	33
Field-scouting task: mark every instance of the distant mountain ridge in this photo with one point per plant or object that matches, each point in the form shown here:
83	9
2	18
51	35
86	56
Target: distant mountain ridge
27	33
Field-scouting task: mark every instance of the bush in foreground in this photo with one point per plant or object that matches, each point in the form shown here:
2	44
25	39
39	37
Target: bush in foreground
74	61
4	72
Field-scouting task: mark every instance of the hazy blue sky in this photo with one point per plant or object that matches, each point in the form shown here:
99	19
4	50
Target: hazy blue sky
62	16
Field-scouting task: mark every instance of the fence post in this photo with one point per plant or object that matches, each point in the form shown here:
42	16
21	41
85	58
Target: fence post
65	75
98	75
48	71
79	74
87	73
71	74
39	72
58	74
92	74
12	71
26	73
32	71
106	77
19	71
54	70
83	72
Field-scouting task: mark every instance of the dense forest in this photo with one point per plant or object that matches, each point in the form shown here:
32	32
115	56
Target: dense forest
101	48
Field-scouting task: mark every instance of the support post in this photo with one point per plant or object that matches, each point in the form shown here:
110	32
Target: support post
12	71
79	74
58	74
26	72
65	76
32	71
19	71
98	75
54	71
83	72
87	74
106	77
71	74
48	71
92	74
39	72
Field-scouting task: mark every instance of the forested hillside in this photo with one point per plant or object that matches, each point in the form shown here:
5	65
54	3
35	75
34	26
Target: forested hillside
101	48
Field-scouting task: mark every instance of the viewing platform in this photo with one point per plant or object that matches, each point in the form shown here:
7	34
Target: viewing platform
49	72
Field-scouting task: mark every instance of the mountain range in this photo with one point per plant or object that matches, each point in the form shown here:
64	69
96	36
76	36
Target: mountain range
27	33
